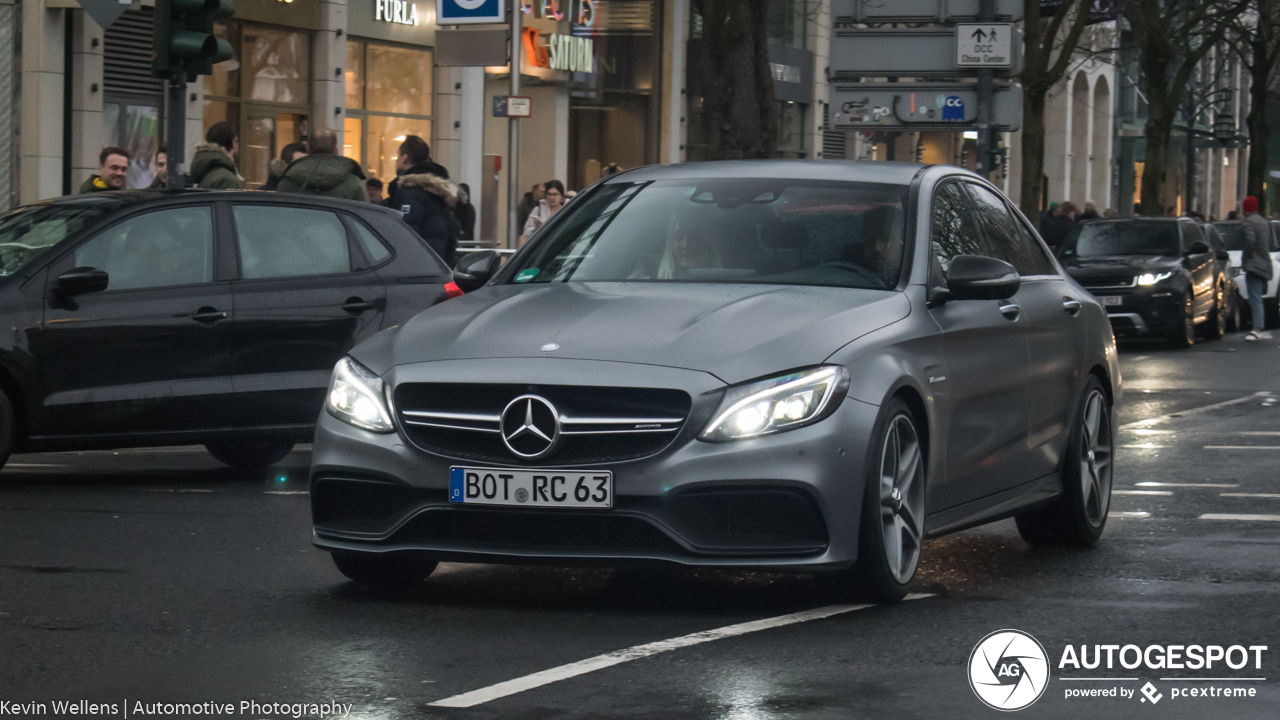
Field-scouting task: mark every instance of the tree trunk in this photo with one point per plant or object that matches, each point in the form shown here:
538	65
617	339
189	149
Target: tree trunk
1032	153
741	112
1259	128
1159	131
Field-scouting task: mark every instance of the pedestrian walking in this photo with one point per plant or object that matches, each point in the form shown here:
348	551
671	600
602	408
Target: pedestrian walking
547	207
323	172
113	168
1090	211
213	166
414	158
465	213
425	201
161	165
1255	258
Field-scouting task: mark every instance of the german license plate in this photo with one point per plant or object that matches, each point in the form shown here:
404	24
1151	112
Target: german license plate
1111	300
536	488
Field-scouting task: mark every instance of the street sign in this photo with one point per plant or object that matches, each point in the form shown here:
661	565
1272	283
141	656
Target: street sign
984	45
470	12
921	106
519	106
911	53
921	10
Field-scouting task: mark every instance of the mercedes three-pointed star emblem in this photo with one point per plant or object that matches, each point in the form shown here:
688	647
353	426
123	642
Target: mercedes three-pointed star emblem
530	426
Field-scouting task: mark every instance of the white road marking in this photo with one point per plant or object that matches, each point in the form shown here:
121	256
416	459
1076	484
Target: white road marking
1194	411
1257	495
1141	492
188	490
1256	432
1246	517
1242	447
1108	679
287	492
600	662
16	465
1135	515
1200	485
1212	679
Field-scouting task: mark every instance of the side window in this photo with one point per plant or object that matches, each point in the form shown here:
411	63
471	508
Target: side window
158	249
1007	238
954	231
373	247
290	242
1190	235
1215	240
1275	236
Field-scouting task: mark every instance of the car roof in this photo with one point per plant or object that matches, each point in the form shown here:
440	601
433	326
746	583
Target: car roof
123	199
897	173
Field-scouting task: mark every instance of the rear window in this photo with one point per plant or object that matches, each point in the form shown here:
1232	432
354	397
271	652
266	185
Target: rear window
1133	237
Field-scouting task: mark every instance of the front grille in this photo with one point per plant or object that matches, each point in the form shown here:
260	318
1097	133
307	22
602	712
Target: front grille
736	517
1108	282
598	424
521	529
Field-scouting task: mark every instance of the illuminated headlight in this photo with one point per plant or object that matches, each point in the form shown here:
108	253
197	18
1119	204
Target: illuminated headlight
356	397
1153	278
778	404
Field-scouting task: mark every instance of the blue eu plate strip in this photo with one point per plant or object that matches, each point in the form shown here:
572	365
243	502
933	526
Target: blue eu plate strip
457	483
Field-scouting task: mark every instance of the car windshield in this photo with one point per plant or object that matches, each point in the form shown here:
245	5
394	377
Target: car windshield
27	232
1131	237
1232	235
769	231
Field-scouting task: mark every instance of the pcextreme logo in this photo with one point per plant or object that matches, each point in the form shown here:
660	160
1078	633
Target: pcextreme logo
1008	670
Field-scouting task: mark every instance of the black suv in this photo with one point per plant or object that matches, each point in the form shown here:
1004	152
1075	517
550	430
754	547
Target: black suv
165	318
1155	276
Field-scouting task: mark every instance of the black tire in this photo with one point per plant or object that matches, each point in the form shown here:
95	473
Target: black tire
1216	326
8	428
1073	520
1183	334
382	572
250	454
1271	306
874	577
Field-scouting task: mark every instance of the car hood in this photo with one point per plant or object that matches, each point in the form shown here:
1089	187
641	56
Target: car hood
1112	265
735	332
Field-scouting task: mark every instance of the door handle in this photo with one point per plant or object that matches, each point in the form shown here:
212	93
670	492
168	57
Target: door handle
1071	305
208	315
355	305
1011	310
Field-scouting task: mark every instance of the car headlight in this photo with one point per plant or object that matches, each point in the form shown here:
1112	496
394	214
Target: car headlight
782	403
356	397
1153	278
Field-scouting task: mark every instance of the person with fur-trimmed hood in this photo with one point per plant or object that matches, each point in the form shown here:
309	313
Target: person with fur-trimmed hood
213	167
425	199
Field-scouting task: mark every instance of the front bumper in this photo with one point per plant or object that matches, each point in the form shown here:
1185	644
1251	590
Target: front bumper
786	500
1154	310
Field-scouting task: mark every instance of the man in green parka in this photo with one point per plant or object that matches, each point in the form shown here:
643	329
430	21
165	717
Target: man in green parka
213	167
324	172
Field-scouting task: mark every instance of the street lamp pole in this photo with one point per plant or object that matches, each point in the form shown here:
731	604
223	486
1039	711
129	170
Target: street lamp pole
513	133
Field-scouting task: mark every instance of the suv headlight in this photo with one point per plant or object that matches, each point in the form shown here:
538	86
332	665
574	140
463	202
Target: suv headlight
1153	278
356	397
782	403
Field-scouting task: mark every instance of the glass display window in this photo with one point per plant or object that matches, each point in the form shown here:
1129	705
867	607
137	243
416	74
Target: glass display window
389	97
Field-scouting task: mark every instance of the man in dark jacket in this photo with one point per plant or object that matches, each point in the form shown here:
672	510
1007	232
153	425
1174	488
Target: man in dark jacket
213	166
425	200
1058	225
415	159
323	172
113	168
275	168
1255	258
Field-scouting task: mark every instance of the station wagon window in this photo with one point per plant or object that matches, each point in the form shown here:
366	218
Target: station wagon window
158	249
1190	235
290	242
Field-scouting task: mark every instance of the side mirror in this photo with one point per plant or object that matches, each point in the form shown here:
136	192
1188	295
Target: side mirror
1198	247
974	277
475	269
81	280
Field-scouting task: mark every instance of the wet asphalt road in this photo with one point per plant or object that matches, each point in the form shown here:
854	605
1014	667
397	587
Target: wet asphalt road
161	576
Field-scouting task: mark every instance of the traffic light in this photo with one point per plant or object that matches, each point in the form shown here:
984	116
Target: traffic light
184	39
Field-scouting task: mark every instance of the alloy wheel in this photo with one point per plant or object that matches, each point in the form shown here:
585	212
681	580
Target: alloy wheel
1095	458
901	497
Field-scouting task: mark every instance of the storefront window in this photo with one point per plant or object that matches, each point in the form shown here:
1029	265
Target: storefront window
388	98
135	128
276	66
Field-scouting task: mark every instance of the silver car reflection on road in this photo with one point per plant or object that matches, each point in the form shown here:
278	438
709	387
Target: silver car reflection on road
768	364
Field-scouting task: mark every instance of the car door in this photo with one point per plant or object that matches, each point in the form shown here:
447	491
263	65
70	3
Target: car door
152	353
986	385
301	304
1201	268
1055	336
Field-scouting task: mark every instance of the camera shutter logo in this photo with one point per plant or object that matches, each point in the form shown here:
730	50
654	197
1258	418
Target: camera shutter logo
1008	670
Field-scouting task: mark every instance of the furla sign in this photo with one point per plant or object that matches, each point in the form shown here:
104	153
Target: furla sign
396	11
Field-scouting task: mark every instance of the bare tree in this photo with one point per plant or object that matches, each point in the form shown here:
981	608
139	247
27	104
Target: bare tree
1259	51
1047	56
1172	37
741	112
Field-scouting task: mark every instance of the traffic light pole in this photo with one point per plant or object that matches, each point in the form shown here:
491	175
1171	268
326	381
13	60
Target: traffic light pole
176	137
986	101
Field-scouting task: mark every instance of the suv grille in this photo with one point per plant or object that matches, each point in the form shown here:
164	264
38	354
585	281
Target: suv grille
597	424
1108	282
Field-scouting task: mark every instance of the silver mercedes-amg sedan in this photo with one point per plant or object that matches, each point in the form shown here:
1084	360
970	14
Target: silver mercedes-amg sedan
789	365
